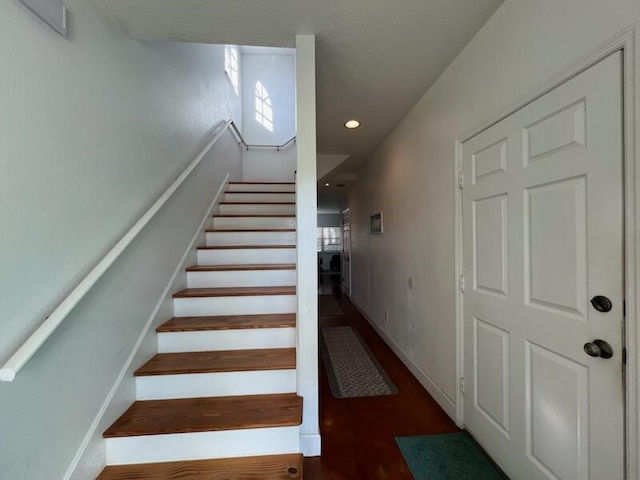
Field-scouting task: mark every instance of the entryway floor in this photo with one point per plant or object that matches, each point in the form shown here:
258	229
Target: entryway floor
358	434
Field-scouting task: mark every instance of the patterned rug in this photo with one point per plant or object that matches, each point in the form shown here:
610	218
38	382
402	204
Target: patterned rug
352	369
327	305
450	456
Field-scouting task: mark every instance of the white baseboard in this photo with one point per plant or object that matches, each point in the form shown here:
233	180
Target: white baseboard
310	444
427	382
88	463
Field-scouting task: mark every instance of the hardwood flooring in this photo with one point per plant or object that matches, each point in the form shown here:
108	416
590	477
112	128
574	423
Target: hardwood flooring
358	433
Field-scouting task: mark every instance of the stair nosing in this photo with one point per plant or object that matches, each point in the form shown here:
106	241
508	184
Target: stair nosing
260	230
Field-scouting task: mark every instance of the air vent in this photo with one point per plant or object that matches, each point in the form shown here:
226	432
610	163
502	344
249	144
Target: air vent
51	12
340	185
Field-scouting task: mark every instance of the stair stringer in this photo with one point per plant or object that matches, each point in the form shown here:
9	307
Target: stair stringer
90	458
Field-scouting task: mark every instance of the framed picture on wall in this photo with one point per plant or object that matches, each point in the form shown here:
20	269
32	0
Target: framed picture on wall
375	223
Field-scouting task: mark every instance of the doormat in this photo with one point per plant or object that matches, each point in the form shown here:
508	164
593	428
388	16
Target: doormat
352	369
449	456
328	306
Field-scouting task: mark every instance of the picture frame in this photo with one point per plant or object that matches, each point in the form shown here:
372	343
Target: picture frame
376	226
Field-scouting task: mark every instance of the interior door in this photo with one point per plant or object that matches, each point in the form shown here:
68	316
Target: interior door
542	236
346	252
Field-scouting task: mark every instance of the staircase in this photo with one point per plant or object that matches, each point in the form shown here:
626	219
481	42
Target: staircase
219	399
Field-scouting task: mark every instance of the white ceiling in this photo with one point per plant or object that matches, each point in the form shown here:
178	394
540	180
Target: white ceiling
375	58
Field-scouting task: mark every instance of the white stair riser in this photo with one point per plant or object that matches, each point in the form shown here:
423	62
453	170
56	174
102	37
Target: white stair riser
259	197
257	208
202	445
253	223
250	238
246	256
241	278
249	305
217	340
222	384
261	187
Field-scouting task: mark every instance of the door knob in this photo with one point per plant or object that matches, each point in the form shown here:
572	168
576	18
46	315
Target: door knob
601	303
598	348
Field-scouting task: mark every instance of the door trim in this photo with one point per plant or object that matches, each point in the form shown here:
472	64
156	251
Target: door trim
628	42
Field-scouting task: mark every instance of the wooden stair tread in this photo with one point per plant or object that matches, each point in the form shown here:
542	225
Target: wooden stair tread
257	203
244	247
234	292
228	322
249	267
269	467
208	414
219	361
260	230
262	183
261	192
254	215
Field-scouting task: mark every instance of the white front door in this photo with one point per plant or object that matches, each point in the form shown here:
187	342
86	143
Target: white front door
543	235
346	252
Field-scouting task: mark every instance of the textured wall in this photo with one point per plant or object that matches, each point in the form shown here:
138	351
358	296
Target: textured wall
277	74
92	130
411	176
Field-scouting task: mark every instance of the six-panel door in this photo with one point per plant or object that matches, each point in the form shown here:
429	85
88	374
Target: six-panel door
542	235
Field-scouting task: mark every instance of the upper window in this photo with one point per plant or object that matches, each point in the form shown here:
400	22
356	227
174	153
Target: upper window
264	108
329	239
232	66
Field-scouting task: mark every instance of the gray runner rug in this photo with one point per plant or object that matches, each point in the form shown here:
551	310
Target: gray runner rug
352	369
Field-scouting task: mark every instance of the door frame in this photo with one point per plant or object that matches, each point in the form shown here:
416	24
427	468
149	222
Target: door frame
628	42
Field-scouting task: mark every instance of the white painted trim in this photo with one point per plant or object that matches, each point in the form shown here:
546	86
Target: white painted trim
628	42
28	349
459	270
310	444
427	382
631	50
306	230
165	294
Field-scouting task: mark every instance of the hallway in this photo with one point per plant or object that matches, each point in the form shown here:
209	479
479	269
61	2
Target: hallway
358	433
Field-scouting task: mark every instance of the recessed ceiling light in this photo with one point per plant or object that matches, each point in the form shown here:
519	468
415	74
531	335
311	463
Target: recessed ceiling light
351	124
326	184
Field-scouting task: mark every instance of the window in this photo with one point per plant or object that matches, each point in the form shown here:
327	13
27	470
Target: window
264	108
232	66
329	239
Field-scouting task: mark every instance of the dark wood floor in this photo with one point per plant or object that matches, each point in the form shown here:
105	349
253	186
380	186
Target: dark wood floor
358	433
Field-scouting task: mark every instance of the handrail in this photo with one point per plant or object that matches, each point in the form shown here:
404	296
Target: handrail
24	353
241	141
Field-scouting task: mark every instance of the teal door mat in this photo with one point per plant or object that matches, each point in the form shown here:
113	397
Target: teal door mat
449	456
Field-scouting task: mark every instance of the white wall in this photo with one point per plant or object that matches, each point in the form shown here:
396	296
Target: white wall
92	130
277	73
269	164
411	176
